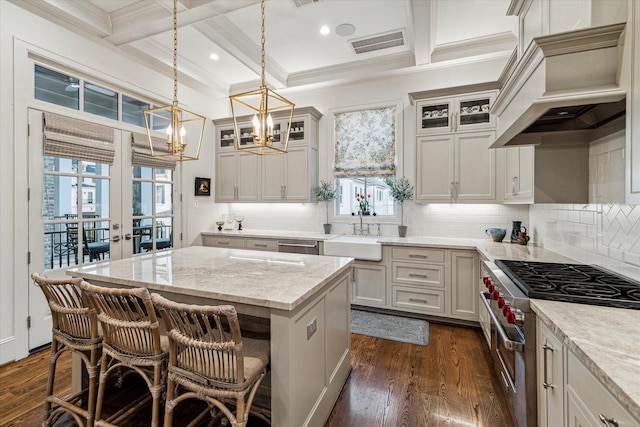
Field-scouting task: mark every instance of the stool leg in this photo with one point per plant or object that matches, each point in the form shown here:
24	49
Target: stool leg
93	377
168	406
102	382
53	358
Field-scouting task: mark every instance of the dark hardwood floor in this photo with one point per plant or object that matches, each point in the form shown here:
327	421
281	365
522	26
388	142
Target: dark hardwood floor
448	383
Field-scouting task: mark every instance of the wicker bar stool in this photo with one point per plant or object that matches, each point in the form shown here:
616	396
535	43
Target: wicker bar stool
131	343
209	360
75	329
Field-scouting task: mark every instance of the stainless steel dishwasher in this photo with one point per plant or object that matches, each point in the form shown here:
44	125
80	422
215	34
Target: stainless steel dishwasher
307	247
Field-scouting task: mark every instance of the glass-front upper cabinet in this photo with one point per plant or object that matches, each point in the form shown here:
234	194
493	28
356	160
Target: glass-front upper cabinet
455	114
298	131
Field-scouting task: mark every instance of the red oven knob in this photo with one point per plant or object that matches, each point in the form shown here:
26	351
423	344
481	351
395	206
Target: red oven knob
491	288
500	302
511	318
485	280
505	310
495	294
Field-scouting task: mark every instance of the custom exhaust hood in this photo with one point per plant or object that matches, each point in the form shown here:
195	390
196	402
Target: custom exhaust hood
565	88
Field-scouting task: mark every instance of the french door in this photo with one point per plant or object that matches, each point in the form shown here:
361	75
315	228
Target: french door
82	212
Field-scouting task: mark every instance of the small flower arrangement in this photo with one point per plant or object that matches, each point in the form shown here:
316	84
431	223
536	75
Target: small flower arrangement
363	202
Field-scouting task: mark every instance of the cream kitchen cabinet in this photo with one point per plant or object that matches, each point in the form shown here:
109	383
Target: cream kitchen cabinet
552	173
246	177
469	112
569	394
456	168
518	177
288	177
550	381
369	284
237	177
465	270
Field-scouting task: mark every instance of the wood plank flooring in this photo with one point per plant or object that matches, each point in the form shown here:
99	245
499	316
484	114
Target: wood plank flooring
448	383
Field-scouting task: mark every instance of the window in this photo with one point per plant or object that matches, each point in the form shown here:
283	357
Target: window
365	155
57	88
132	111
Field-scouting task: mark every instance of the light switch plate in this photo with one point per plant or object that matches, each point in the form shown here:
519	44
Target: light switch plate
312	327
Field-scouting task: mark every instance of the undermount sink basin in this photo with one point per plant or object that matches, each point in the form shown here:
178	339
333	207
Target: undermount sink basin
364	248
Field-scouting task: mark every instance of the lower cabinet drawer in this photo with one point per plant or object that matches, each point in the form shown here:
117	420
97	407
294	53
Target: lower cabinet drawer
223	242
419	300
418	254
585	388
262	244
415	274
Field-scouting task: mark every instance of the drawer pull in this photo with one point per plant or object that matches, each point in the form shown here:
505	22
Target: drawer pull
417	256
609	422
260	245
424	301
422	276
223	243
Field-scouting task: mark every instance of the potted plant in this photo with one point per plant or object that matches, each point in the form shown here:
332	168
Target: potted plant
401	190
325	193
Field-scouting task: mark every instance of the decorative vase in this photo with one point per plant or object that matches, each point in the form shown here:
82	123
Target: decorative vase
402	230
327	228
497	234
517	225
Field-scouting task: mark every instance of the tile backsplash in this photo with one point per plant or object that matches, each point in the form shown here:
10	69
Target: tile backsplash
602	234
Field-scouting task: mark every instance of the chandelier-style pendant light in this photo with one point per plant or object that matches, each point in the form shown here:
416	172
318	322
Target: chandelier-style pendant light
263	102
183	125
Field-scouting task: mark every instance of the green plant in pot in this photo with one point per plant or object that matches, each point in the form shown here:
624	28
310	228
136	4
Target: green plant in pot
401	191
325	193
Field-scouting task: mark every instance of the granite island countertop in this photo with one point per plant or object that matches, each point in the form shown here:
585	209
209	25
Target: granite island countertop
606	340
266	279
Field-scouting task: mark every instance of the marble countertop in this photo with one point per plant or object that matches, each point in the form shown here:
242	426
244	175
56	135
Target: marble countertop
606	340
266	279
271	234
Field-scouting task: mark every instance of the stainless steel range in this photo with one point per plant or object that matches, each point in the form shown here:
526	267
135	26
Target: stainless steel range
510	326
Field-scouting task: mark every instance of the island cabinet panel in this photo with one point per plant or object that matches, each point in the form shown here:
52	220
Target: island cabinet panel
312	360
550	377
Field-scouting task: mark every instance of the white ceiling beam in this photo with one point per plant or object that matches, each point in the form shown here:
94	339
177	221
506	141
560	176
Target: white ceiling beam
421	15
146	19
235	42
75	13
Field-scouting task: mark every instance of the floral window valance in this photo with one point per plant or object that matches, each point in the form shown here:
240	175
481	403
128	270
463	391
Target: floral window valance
365	142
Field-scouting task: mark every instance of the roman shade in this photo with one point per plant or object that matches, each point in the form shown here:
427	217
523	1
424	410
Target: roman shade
141	152
77	139
365	142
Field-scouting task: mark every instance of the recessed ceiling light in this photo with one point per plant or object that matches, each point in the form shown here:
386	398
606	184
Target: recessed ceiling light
214	56
324	30
345	30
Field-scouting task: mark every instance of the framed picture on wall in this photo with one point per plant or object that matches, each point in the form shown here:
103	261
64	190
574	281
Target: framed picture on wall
203	186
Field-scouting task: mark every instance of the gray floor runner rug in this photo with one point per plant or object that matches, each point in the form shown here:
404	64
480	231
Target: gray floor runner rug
395	328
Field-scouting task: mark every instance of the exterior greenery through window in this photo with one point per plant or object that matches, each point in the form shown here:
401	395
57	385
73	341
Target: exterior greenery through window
365	152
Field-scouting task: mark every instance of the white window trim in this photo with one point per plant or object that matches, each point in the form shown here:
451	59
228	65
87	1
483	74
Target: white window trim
348	219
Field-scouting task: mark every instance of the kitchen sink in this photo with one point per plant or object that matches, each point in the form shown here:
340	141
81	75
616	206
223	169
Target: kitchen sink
364	248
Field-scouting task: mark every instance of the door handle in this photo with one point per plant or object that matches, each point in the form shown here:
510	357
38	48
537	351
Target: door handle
545	381
127	236
115	238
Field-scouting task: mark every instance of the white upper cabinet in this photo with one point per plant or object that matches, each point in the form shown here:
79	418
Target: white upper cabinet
246	177
455	114
518	178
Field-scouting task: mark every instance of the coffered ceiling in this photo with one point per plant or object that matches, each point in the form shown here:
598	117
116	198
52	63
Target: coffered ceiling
389	36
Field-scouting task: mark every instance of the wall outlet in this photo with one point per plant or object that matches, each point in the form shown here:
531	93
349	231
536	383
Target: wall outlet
312	327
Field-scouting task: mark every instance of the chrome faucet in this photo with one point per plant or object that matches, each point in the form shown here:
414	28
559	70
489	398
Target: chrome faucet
362	230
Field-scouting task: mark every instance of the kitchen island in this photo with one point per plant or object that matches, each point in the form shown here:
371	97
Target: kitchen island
303	299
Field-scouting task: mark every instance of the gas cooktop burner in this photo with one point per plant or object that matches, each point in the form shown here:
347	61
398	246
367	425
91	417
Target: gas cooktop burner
577	283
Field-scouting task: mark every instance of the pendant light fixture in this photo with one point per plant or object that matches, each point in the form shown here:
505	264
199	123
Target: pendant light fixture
183	141
266	139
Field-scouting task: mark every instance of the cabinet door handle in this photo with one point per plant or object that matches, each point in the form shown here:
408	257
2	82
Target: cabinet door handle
609	422
452	190
545	381
424	301
284	191
513	185
422	276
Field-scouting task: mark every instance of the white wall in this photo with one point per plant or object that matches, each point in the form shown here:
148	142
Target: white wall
20	32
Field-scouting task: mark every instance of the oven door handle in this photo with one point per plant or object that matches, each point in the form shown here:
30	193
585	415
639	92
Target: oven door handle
509	344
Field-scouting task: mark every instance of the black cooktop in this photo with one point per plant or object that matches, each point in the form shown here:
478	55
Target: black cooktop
578	283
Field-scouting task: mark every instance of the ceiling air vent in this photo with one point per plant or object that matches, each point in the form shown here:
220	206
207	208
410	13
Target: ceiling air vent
379	42
300	3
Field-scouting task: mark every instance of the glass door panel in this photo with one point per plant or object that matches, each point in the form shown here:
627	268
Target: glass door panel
153	209
435	116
